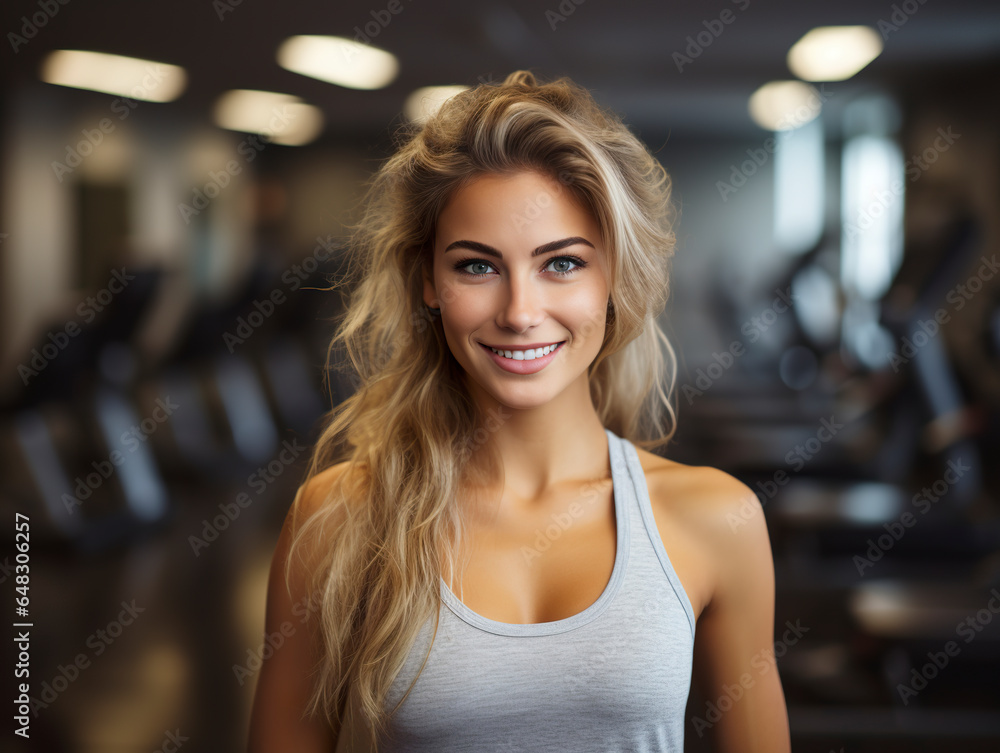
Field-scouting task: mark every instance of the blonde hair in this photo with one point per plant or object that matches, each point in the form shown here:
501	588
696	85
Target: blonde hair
410	425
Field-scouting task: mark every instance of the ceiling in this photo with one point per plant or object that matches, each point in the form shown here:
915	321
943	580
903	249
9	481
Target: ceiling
622	50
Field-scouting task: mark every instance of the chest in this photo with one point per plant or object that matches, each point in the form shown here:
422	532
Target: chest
618	682
540	565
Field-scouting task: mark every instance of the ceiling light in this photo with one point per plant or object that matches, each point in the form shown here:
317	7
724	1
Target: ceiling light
427	100
147	80
783	105
338	60
283	118
834	53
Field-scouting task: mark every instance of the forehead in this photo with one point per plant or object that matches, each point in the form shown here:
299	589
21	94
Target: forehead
520	207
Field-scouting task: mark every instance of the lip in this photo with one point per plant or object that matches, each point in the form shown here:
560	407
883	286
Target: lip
525	346
523	367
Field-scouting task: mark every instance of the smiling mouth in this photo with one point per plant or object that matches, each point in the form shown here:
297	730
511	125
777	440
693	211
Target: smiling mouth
525	355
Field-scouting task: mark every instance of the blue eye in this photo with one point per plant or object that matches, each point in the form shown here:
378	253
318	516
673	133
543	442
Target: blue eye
474	263
578	264
559	272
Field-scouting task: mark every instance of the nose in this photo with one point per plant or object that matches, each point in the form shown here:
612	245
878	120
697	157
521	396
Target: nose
522	308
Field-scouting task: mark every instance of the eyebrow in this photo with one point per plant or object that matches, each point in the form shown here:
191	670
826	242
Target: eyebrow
545	248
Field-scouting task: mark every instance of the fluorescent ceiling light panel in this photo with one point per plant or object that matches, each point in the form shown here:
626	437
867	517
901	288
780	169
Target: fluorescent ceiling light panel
427	100
135	78
784	105
338	60
834	53
283	118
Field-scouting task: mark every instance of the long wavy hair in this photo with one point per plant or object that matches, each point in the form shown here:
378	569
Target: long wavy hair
409	427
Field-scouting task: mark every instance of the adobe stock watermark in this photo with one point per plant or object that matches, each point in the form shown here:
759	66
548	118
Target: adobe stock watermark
564	10
99	641
88	309
6	570
753	329
248	149
714	27
924	501
222	7
938	661
748	168
914	168
929	328
797	458
762	661
447	293
293	277
272	642
495	418
421	320
606	655
901	13
202	196
47	10
535	205
130	439
380	21
740	174
94	137
172	741
561	521
229	512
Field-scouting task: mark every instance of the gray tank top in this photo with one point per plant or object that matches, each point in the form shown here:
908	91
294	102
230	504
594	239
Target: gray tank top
614	677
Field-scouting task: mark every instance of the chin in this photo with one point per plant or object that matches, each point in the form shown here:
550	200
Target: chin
526	398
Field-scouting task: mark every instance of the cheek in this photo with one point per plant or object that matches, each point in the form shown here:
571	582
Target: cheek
468	307
464	314
590	310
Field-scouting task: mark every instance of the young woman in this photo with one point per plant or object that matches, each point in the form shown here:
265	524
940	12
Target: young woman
485	555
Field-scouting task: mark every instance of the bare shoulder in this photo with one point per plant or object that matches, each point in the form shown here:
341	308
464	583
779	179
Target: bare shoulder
295	592
713	529
696	493
316	496
711	525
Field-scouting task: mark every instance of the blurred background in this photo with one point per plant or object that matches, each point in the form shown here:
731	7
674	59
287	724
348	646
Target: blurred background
169	218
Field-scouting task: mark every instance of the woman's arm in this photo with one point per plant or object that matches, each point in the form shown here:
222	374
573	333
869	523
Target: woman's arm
284	684
745	710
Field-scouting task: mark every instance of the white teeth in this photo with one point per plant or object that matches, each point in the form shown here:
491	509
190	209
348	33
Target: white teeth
526	355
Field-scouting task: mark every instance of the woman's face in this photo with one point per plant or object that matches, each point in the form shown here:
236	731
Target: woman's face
519	265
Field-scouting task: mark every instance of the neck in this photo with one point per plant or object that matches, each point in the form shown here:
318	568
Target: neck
558	442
